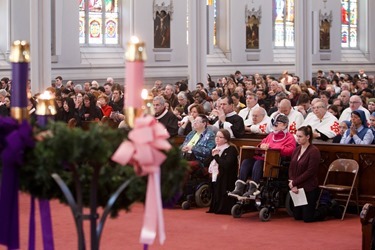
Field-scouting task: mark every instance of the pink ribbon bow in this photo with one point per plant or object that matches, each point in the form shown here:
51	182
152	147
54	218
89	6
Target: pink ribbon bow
147	138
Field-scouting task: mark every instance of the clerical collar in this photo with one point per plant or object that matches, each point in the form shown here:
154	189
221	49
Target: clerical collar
231	114
157	116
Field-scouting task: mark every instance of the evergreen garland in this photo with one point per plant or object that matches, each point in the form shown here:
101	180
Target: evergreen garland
63	150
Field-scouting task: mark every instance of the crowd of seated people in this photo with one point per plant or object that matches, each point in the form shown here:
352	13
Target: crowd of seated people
337	108
75	104
324	102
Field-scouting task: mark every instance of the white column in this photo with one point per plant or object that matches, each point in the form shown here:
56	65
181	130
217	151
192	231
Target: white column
40	45
197	48
303	38
5	26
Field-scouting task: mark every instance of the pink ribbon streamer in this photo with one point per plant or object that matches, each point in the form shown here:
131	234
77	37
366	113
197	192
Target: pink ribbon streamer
142	150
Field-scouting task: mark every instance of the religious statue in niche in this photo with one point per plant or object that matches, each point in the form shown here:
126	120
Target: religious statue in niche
162	30
325	34
252	33
325	30
162	24
252	20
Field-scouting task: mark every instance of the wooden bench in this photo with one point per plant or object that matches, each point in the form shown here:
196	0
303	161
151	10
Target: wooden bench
364	155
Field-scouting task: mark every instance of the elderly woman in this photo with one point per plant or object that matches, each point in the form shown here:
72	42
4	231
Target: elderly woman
279	139
199	142
187	122
223	168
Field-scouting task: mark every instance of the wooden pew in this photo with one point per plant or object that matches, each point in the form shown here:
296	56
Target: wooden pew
364	155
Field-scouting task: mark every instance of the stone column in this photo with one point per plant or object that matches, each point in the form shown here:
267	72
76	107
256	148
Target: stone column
197	48
303	38
40	45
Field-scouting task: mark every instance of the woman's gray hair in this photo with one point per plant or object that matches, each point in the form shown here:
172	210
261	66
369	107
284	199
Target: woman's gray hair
182	95
78	87
3	92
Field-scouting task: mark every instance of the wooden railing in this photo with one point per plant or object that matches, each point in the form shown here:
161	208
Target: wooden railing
364	155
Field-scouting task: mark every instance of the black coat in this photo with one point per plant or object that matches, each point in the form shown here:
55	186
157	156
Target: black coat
228	168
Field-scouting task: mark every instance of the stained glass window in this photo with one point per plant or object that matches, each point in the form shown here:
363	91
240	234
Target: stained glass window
283	18
349	23
98	22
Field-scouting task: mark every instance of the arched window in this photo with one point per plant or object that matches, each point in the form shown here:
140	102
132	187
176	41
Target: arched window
283	19
98	22
349	23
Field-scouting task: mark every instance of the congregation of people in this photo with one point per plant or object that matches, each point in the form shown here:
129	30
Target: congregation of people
332	107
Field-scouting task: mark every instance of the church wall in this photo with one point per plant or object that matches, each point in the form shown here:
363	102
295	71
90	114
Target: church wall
88	63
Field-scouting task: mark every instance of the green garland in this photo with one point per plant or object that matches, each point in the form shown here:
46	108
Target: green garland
65	149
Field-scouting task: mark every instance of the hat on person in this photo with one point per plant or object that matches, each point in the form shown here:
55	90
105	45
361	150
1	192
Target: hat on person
361	115
280	118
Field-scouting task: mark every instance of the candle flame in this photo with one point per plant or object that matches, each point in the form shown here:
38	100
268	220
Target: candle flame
134	39
46	95
144	94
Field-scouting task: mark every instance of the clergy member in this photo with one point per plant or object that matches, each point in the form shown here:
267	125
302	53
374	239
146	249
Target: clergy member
324	124
228	118
164	116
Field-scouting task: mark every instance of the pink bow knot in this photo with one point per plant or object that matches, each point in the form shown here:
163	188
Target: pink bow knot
143	151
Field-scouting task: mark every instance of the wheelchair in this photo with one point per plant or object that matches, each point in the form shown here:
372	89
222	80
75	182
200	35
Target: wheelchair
196	190
274	190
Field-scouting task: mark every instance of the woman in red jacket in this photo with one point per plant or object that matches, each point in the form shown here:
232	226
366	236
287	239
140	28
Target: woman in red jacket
279	139
103	104
303	173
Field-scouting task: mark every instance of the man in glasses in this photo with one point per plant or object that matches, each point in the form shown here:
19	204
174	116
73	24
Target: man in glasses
325	125
355	103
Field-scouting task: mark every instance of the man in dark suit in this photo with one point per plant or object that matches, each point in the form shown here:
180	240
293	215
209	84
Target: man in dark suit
164	116
228	118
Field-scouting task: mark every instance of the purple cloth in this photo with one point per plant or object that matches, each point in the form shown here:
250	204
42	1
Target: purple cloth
14	140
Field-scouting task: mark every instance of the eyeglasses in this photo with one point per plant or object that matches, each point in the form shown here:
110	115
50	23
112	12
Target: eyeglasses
353	102
197	121
221	137
317	107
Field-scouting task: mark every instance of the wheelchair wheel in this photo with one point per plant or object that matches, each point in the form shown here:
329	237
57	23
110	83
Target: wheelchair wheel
289	204
203	196
185	205
264	214
236	211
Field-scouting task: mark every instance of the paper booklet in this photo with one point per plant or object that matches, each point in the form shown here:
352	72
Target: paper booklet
300	198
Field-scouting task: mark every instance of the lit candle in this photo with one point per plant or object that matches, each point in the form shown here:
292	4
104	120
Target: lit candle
135	58
45	109
20	58
148	107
